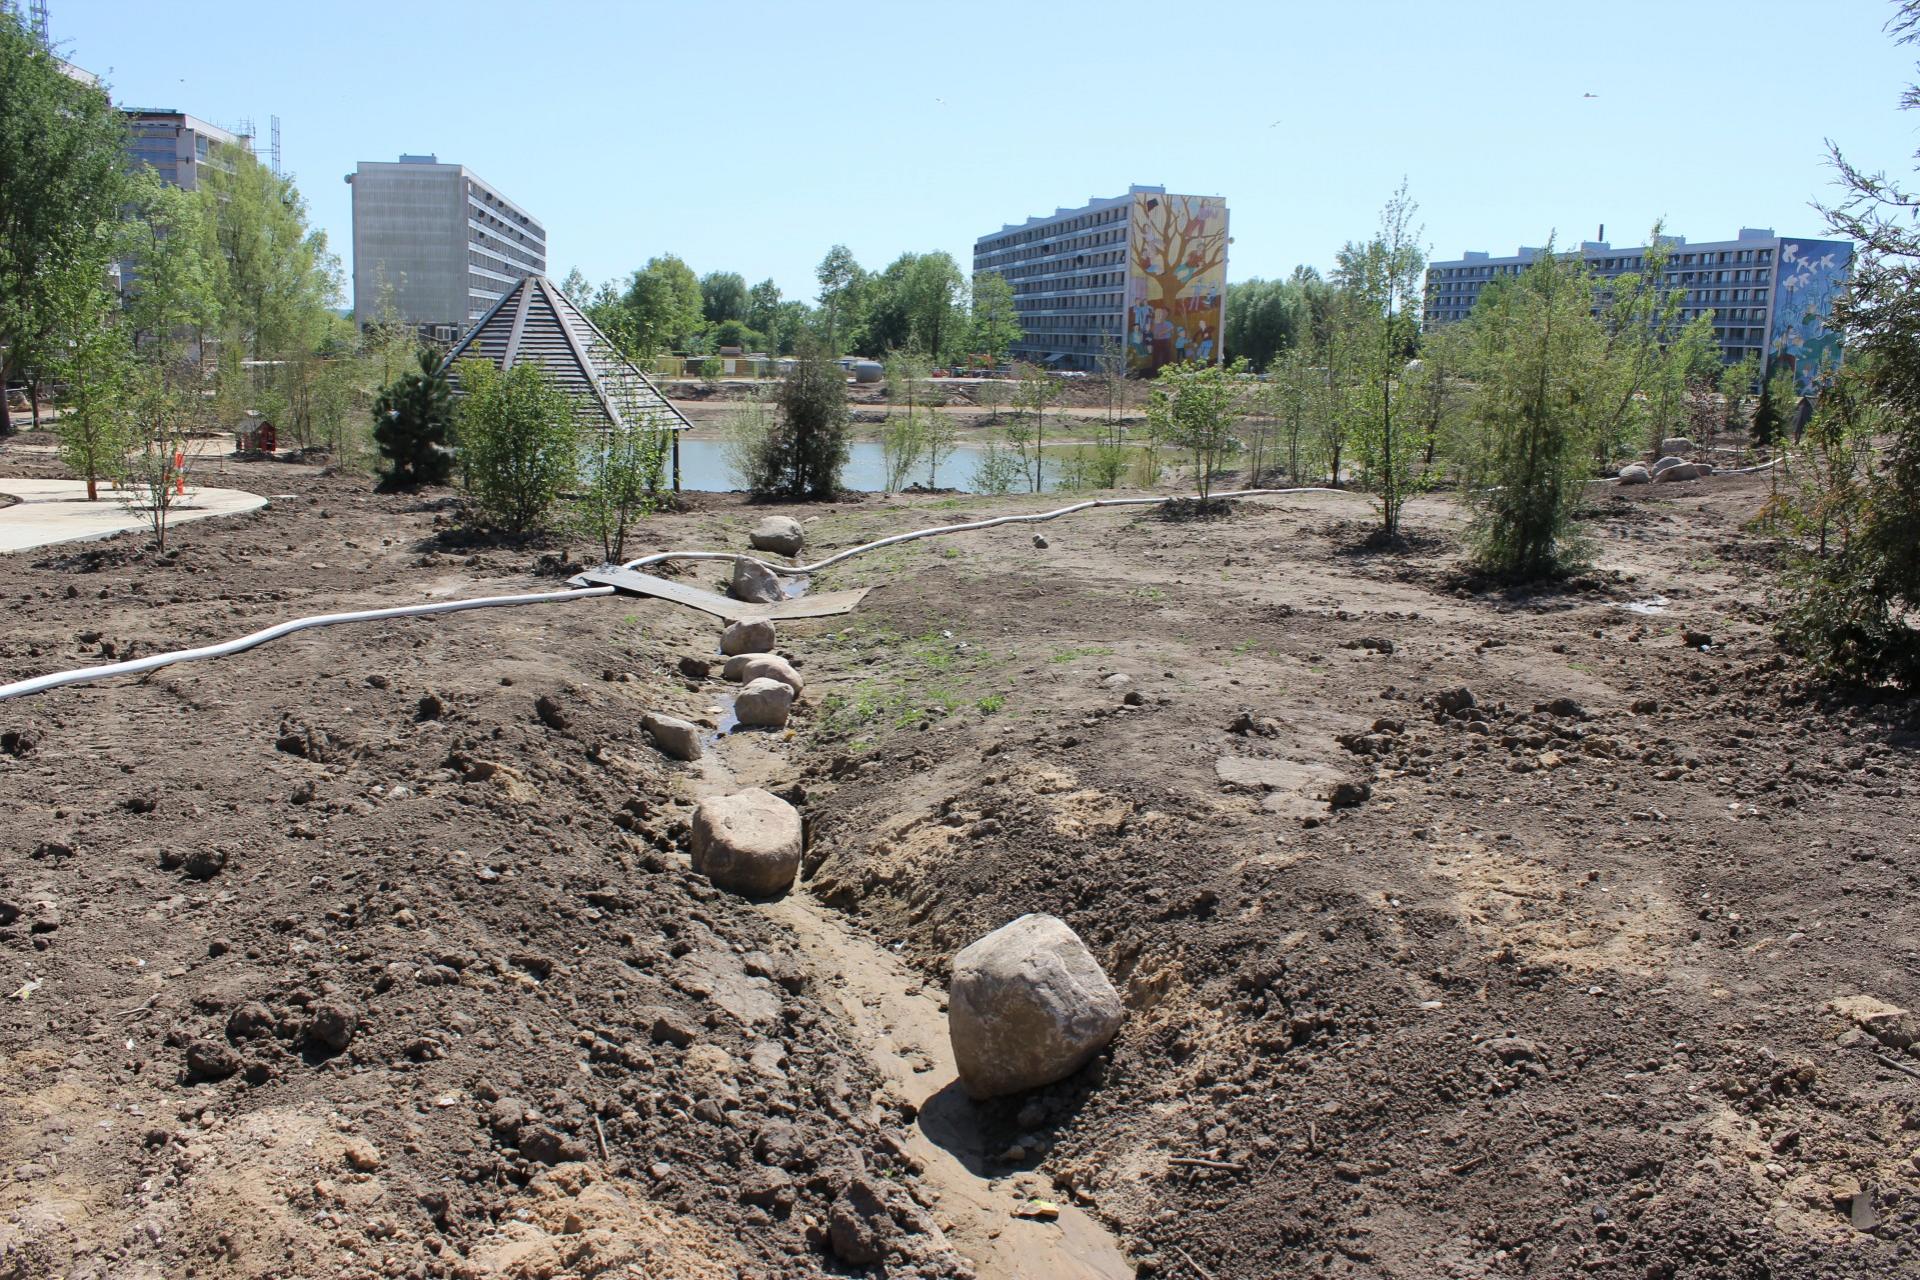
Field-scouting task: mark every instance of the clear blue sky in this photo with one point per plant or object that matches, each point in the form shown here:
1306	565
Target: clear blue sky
752	136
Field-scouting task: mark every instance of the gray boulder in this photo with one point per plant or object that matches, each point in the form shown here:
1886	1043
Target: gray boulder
781	535
1667	462
674	737
755	583
747	635
1677	446
1028	1005
1682	471
748	843
748	667
1634	473
764	703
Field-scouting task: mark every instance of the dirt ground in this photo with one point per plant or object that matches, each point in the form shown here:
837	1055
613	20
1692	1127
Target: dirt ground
375	952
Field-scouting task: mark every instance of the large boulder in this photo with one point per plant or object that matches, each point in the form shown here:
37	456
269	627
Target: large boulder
1677	447
674	737
748	842
747	635
748	667
781	535
1634	473
755	583
1682	471
764	703
1666	463
1028	1005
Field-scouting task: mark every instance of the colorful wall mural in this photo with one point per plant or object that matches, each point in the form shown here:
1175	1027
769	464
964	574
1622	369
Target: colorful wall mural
1808	278
1176	279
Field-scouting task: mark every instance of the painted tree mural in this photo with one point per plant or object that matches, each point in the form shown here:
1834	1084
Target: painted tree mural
1176	280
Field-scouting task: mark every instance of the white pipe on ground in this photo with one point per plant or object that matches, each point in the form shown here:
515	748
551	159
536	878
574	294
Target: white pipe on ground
136	666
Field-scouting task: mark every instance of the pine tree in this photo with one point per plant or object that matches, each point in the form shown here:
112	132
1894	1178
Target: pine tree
410	421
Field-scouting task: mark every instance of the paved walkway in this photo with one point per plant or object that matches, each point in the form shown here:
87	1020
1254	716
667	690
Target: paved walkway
50	511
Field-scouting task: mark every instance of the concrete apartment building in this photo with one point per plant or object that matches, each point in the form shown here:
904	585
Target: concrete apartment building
175	145
1143	273
1769	295
449	244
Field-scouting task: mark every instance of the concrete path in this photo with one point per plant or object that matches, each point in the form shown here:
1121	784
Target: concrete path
50	511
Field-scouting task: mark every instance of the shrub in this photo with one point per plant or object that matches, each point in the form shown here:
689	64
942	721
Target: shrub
998	470
410	421
809	443
519	445
626	472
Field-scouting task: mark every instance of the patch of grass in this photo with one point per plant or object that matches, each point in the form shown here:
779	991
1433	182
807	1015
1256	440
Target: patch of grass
1152	595
991	704
917	679
1084	651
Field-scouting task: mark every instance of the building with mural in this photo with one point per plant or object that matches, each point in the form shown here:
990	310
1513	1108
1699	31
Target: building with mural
1769	295
1140	277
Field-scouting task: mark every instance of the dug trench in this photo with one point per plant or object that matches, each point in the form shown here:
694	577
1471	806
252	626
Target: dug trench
377	951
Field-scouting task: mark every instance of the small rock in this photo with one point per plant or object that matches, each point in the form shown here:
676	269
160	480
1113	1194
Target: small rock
748	667
1040	541
1566	708
550	712
764	702
781	535
211	1060
1695	639
1133	698
331	1024
430	707
1346	795
755	583
1454	702
675	737
782	1145
1028	1005
362	1156
249	1020
695	668
204	864
747	635
858	1224
1118	680
749	842
668	1027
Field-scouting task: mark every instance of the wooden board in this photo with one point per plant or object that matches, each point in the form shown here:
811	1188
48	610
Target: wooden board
645	584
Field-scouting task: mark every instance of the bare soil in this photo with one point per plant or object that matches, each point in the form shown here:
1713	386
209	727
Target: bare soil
376	952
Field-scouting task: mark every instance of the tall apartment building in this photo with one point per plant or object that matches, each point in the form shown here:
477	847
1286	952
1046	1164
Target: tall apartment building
1769	295
449	244
176	146
1144	272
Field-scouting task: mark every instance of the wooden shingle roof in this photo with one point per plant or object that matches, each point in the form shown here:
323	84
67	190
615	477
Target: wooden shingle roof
536	322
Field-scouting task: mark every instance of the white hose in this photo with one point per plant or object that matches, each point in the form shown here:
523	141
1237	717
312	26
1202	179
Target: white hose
807	570
87	675
134	666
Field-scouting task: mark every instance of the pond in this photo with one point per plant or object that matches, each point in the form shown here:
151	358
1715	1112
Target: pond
703	467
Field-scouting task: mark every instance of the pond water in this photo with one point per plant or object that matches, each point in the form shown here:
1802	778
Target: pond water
703	468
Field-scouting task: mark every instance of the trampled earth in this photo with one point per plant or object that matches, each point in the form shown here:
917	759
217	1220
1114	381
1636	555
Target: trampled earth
1460	933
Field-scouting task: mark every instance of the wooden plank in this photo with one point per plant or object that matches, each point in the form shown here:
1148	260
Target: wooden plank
821	606
646	584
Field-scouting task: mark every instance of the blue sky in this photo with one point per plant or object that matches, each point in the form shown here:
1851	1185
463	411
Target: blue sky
752	136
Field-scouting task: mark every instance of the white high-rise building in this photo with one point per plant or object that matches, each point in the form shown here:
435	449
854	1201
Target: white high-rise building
449	244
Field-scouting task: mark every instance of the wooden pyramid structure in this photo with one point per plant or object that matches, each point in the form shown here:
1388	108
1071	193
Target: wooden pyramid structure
536	322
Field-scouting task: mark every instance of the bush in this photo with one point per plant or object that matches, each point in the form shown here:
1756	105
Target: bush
804	452
410	421
519	445
626	472
999	470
